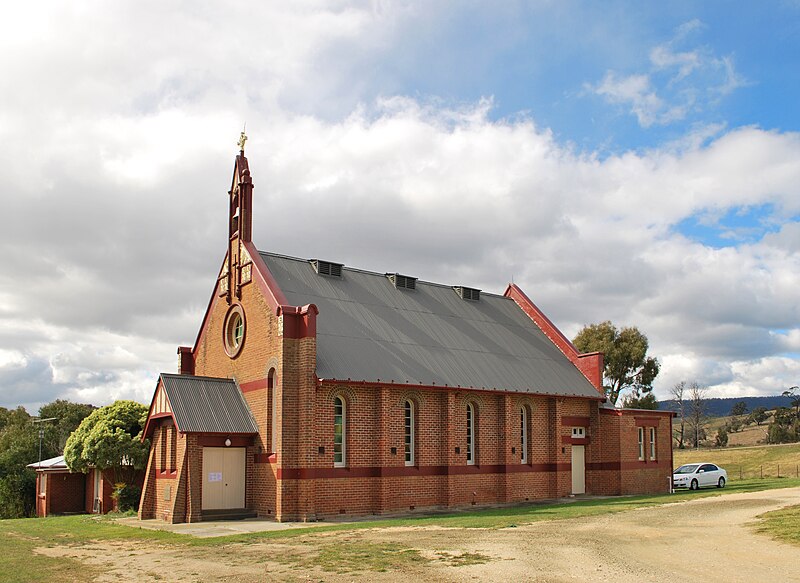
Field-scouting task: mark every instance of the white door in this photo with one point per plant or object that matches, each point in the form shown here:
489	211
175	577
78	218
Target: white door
578	470
97	502
223	477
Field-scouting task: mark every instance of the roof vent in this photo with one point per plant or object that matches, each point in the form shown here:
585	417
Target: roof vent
468	293
402	281
327	268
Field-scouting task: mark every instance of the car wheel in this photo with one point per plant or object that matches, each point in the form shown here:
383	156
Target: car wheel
721	483
693	485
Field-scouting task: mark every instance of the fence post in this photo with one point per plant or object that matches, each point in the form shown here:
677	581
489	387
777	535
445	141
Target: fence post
779	470
762	472
740	472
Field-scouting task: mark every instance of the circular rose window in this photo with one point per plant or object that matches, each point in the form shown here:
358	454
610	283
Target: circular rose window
234	330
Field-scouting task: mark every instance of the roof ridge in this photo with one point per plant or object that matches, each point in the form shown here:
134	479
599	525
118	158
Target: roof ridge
378	273
199	377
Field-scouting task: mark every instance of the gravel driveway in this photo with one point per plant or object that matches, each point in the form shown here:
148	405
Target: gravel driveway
706	539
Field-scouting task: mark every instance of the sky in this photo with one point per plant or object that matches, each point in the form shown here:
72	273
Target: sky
637	162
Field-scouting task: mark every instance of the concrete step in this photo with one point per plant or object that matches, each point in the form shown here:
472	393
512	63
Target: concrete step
228	514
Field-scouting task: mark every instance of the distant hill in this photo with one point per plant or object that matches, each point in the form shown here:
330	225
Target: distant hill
722	407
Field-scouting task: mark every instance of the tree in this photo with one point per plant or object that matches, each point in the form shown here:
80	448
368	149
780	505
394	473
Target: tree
647	401
721	439
794	396
627	365
784	427
19	446
739	408
68	417
677	392
758	415
110	440
697	413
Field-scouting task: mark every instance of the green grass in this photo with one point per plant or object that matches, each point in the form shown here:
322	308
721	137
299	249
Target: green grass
750	460
19	562
783	524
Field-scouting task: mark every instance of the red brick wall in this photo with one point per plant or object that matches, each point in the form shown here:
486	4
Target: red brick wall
621	450
64	493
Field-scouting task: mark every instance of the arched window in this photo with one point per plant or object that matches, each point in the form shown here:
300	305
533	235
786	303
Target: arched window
339	432
409	430
470	434
523	435
272	387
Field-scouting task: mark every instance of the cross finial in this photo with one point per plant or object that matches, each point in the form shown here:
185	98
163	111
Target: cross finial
242	140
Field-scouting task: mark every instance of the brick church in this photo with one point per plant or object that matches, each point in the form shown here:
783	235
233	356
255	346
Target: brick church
316	389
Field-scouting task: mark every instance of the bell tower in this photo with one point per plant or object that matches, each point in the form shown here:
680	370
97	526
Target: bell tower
238	269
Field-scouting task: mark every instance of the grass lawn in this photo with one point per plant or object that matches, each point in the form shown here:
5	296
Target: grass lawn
19	562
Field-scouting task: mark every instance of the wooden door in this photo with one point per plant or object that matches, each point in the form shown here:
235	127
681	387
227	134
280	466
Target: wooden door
578	470
233	477
223	477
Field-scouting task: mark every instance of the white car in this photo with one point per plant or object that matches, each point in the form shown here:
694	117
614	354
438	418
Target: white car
694	476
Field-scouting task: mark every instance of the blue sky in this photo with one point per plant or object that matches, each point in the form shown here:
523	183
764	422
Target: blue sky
543	59
626	161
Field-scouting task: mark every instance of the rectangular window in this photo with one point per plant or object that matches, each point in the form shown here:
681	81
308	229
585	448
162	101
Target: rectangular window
652	443
641	443
338	432
42	483
409	432
578	432
470	435
523	437
163	448
173	450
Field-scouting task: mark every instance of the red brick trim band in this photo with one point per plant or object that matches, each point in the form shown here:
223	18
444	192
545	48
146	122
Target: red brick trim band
569	440
253	385
646	421
404	471
574	421
617	466
166	474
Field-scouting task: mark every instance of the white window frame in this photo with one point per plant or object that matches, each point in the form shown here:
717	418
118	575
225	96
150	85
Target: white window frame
470	434
652	443
578	432
342	454
409	431
641	443
523	419
42	483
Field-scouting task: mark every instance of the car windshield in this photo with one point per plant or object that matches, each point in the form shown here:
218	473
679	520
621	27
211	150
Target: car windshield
687	469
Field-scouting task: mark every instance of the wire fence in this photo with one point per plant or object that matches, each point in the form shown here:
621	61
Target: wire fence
764	471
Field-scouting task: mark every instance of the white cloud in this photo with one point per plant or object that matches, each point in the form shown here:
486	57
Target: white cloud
676	83
115	223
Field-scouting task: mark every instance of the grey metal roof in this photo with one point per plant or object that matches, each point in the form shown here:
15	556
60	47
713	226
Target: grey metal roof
208	405
368	330
54	463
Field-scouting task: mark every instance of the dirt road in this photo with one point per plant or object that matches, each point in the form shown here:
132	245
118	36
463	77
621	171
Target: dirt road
707	539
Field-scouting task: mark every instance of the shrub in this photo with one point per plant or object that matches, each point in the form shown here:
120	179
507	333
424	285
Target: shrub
126	496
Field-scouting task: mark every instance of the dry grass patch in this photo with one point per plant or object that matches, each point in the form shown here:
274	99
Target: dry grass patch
783	524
